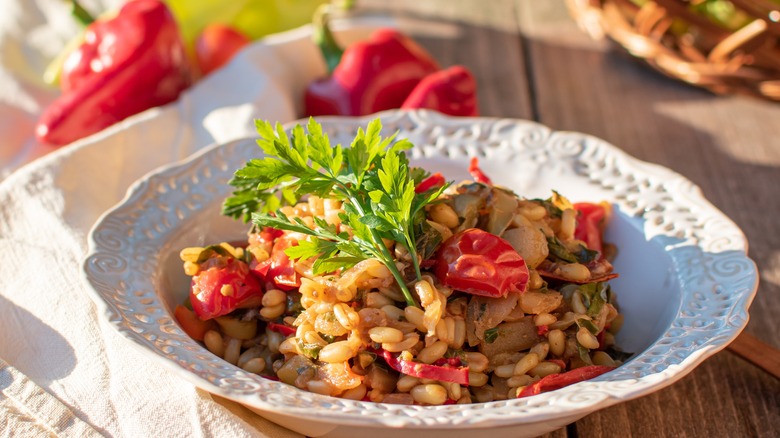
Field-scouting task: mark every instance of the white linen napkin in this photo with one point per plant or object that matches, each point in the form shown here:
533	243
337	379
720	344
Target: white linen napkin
63	370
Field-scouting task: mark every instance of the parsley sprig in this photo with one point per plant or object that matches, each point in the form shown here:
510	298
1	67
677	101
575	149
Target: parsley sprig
371	177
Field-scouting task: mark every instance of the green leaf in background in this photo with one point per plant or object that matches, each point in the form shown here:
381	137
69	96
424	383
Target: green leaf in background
253	18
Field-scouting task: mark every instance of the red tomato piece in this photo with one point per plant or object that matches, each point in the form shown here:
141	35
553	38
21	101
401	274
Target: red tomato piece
265	241
481	263
560	380
217	45
477	173
278	268
195	327
281	270
590	224
271	234
219	290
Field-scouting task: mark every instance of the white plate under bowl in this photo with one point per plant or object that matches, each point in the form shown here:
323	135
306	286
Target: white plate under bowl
685	280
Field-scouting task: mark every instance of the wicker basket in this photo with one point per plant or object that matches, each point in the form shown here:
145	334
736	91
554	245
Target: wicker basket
674	39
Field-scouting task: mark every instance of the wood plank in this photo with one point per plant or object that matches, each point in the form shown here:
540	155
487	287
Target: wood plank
758	353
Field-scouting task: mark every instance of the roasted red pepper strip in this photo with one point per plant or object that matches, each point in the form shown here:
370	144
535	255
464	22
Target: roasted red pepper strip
590	224
459	375
281	328
451	91
551	276
480	263
126	64
558	381
372	76
477	173
434	181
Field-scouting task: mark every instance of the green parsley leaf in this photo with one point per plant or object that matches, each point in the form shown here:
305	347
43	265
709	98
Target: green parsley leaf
371	177
209	251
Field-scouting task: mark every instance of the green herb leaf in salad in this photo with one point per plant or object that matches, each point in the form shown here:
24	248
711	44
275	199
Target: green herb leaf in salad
558	250
371	177
555	204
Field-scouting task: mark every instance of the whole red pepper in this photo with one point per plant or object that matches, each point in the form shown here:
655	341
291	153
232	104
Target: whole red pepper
372	76
217	45
452	91
126	64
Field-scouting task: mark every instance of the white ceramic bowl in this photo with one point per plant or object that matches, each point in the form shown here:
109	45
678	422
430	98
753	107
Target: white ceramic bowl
685	285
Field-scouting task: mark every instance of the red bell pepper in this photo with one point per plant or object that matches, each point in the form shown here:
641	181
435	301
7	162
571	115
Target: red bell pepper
388	71
480	263
452	91
217	45
558	381
372	76
444	373
126	64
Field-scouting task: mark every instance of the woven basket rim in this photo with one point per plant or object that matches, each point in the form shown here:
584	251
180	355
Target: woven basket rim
746	61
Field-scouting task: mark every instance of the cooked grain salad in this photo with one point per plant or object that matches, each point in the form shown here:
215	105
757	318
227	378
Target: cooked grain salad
368	279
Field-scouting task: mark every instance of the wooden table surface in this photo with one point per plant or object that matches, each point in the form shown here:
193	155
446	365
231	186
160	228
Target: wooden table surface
532	62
